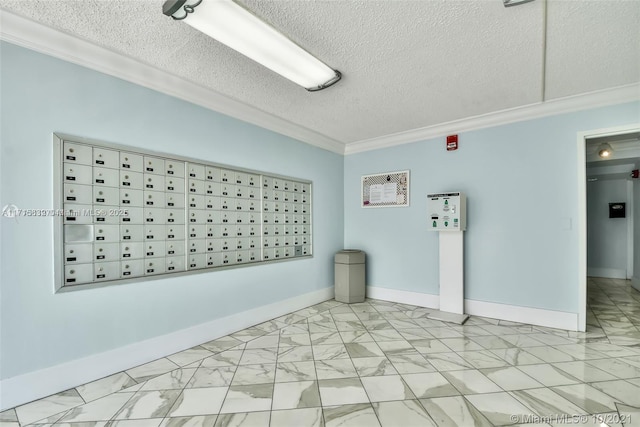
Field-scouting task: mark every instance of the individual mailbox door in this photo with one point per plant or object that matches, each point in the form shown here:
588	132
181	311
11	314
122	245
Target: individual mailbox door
254	255
267	218
296	208
106	158
174	216
254	230
212	173
131	197
107	233
266	182
78	233
276	184
175	248
297	240
287	218
277	207
132	250
175	264
195	171
132	268
288	252
278	253
78	274
306	250
305	239
305	188
242	243
277	241
78	194
228	230
297	229
287	208
267	254
288	230
278	219
288	240
78	153
267	194
227	244
175	232
106	196
173	184
297	198
154	266
297	219
242	230
197	261
214	259
196	186
212	188
297	250
242	218
174	200
228	258
214	245
106	177
241	191
197	216
277	196
241	178
296	187
253	180
154	182
306	219
77	174
133	233
154	199
305	229
197	246
107	215
196	201
267	242
242	257
267	207
287	185
78	214
197	231
131	162
227	190
104	252
154	232
305	209
130	179
154	216
154	249
267	230
80	253
106	271
227	176
213	217
287	196
153	165
254	218
174	168
253	193
278	230
242	205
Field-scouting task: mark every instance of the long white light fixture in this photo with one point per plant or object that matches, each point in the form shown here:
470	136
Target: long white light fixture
231	24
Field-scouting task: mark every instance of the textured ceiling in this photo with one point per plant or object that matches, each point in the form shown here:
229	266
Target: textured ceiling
405	64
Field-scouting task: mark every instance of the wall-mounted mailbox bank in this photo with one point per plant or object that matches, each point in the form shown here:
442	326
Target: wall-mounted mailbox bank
447	211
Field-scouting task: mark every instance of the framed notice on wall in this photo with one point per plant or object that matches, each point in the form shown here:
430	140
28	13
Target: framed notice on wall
390	189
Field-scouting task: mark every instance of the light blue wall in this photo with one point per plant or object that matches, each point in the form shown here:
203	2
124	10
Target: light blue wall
521	245
42	95
606	237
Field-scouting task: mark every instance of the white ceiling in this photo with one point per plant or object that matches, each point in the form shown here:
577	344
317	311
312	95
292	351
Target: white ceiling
406	64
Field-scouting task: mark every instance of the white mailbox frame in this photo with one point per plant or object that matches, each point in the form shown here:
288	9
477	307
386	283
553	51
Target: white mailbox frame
84	144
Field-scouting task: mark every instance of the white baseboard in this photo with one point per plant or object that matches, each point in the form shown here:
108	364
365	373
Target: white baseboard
404	297
609	273
38	384
635	282
512	313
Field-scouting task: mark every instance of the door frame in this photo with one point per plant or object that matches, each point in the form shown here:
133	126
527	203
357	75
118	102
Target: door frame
582	211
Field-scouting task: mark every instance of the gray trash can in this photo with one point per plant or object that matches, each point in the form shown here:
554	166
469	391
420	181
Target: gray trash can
349	276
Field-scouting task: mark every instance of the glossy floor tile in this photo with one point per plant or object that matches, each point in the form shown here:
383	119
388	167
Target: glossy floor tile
372	364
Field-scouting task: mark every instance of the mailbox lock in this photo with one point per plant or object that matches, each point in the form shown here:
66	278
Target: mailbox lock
71	150
72	271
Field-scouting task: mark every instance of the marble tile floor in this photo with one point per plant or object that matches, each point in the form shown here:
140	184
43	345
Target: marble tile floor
377	363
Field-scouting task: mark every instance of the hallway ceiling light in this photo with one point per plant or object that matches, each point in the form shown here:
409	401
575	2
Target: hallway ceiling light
233	25
605	150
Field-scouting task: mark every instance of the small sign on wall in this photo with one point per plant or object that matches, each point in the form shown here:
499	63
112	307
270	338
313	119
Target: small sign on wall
617	210
389	189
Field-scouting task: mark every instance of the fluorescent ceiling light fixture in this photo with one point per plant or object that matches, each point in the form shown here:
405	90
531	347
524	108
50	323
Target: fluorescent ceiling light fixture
231	24
605	151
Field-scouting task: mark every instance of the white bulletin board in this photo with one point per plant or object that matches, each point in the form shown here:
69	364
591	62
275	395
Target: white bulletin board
384	190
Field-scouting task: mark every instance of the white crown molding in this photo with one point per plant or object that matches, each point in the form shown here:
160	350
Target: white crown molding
40	38
601	98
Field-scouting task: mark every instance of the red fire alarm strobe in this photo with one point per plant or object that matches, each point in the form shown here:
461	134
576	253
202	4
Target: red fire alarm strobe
635	173
452	142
